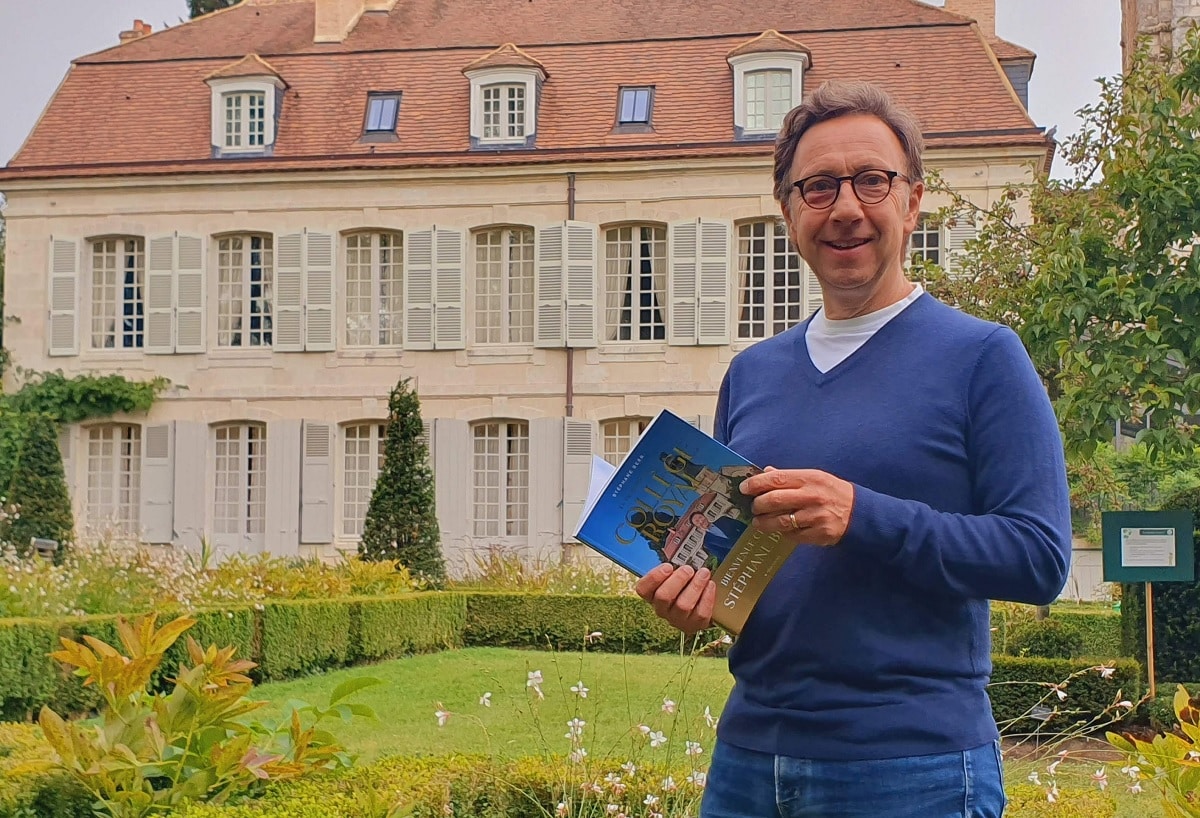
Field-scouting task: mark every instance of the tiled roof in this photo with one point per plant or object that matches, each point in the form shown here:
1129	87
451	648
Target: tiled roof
1010	51
769	41
251	65
506	56
158	109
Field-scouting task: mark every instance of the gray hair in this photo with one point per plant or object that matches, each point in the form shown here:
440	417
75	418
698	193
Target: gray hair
835	99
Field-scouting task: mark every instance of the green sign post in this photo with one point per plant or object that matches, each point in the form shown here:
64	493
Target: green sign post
1148	546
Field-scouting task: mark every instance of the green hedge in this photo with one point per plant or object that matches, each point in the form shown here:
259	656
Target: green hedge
387	628
1019	683
1094	631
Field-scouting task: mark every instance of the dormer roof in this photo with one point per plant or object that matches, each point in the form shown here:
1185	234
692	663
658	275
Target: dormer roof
506	56
770	41
251	65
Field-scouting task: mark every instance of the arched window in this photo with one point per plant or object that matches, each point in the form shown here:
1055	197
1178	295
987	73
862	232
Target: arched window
504	286
240	468
375	289
775	290
635	282
118	280
500	478
114	478
362	458
619	435
245	290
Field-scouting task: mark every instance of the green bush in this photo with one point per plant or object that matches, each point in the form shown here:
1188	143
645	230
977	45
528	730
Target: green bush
1176	625
29	792
1099	631
1019	684
1047	638
303	636
226	627
625	624
27	678
1028	801
33	481
387	628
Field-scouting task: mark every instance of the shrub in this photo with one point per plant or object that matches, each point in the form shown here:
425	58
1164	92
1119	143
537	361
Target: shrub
303	636
1025	693
36	485
401	522
1047	638
386	628
1170	762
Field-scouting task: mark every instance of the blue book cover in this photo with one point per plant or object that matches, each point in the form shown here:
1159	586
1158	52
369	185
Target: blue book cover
675	498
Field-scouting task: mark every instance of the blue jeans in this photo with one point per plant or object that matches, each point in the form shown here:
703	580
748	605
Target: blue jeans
747	784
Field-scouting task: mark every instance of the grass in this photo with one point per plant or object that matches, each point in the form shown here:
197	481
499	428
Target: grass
624	691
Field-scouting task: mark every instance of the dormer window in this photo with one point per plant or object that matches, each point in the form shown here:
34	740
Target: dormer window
245	105
634	106
768	74
382	112
504	93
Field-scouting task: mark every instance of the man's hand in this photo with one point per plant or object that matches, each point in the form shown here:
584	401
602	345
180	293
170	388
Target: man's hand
805	505
682	596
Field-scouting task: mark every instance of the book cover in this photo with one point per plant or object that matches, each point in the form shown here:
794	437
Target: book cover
675	498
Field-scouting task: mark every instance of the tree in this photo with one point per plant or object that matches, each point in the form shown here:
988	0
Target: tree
401	521
36	485
1102	283
198	7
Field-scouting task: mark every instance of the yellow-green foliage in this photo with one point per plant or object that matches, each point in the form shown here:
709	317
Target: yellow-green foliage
626	624
386	628
1028	801
21	748
1170	762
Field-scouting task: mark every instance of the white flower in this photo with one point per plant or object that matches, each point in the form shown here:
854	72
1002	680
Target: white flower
612	778
668	706
561	809
1053	768
1034	778
1125	703
1101	778
443	715
669	785
1193	755
693	748
1105	671
650	800
612	809
1131	770
657	738
1052	793
593	636
726	640
577	755
579	690
534	678
629	768
644	729
486	699
710	719
1135	787
1062	694
697	779
575	729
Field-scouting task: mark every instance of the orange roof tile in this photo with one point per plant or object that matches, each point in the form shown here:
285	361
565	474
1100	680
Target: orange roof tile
1010	51
158	107
769	41
506	56
251	65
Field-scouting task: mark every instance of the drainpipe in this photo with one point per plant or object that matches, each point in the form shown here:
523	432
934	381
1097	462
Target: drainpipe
570	351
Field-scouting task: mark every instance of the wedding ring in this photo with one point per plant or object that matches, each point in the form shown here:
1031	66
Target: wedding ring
792	517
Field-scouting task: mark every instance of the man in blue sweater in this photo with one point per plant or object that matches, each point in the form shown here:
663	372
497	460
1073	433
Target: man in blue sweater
915	457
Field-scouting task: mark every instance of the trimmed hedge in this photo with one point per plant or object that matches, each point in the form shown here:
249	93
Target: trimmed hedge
1019	683
1092	631
386	628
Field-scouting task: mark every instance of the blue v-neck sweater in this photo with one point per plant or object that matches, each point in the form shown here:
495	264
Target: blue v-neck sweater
879	647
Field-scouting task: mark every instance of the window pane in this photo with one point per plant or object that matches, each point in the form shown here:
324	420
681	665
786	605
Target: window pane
770	280
118	308
635	283
627	101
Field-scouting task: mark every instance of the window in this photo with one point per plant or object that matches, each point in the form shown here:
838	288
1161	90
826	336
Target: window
635	283
374	289
245	120
501	478
620	435
768	99
241	477
503	112
362	460
245	279
770	280
381	113
118	276
114	471
926	242
504	286
634	106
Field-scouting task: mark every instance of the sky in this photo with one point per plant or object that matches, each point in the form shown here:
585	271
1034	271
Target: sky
1076	41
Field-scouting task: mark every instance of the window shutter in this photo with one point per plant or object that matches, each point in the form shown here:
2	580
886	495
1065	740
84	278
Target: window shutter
957	236
288	306
316	484
579	443
418	290
189	294
684	279
581	260
160	294
449	289
318	293
192	494
452	481
545	488
282	524
712	320
550	321
813	299
63	321
66	450
157	512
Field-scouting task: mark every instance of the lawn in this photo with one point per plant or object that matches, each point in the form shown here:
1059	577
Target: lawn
623	691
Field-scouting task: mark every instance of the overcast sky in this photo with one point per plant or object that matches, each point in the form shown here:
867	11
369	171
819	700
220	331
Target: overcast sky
1076	41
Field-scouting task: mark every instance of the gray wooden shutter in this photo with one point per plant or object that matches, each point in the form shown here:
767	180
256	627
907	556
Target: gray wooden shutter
449	289
957	236
288	305
282	534
189	294
550	319
192	494
316	484
63	320
684	247
579	444
160	294
453	488
813	298
418	290
582	243
157	511
545	488
318	292
715	274
66	449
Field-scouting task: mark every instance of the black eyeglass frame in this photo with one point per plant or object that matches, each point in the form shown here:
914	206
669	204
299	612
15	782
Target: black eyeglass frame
892	176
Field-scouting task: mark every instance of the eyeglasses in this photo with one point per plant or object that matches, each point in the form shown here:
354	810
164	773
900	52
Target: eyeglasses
871	186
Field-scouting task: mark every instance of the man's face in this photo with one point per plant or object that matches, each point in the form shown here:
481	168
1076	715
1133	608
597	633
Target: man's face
854	249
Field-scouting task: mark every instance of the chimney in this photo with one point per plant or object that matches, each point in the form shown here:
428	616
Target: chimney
140	29
336	19
982	12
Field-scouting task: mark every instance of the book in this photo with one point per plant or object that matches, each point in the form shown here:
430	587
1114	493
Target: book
675	498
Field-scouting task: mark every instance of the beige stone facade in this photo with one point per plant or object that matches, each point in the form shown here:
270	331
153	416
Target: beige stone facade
1164	23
